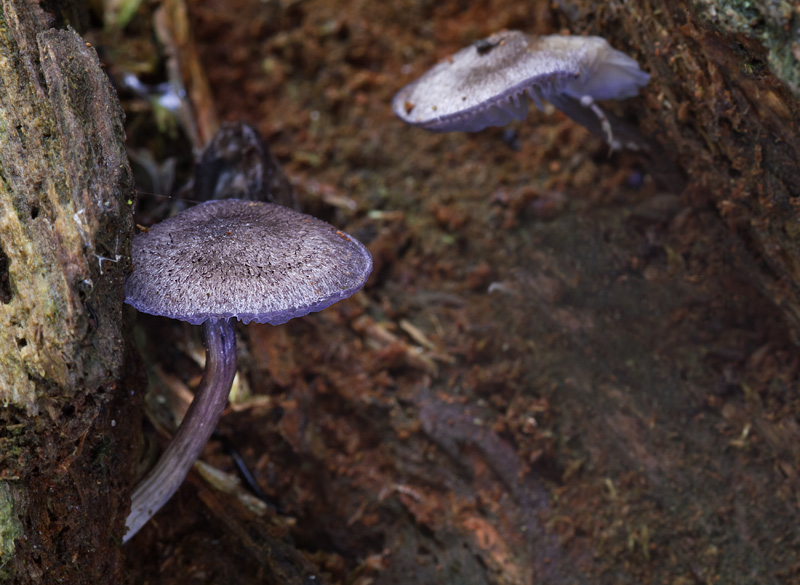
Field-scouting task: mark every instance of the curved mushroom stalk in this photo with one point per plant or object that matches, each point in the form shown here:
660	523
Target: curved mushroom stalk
210	399
617	132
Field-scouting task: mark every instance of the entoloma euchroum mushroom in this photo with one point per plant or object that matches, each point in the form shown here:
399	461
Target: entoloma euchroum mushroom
226	260
489	82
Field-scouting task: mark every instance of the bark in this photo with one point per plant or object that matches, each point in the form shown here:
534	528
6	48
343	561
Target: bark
723	97
65	228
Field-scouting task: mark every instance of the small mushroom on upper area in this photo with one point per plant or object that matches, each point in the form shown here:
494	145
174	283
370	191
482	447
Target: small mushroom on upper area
225	260
489	83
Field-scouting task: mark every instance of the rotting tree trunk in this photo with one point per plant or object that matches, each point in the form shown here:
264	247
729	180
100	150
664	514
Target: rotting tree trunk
65	229
724	97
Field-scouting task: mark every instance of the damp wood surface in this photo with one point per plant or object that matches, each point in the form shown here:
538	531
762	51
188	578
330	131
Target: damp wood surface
724	94
569	366
65	229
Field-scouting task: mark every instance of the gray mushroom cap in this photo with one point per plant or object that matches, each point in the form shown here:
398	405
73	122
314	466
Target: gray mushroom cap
486	83
249	260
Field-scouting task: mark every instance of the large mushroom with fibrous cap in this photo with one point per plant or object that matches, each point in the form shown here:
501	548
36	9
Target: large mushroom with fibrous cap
489	83
221	261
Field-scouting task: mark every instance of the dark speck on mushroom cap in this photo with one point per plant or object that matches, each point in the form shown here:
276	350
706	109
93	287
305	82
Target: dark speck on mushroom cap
250	260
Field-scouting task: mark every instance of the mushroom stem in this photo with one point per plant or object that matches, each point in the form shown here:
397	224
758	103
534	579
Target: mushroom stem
210	399
616	131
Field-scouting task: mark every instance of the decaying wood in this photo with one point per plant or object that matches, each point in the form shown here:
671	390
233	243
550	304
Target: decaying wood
65	228
717	101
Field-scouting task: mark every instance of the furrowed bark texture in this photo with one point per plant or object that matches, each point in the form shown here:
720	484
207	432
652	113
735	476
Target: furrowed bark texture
724	97
65	229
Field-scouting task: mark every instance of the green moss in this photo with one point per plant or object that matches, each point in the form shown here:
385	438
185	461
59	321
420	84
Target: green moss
773	22
10	529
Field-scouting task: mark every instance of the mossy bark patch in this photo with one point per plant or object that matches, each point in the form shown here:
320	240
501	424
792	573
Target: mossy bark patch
63	223
65	229
10	528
